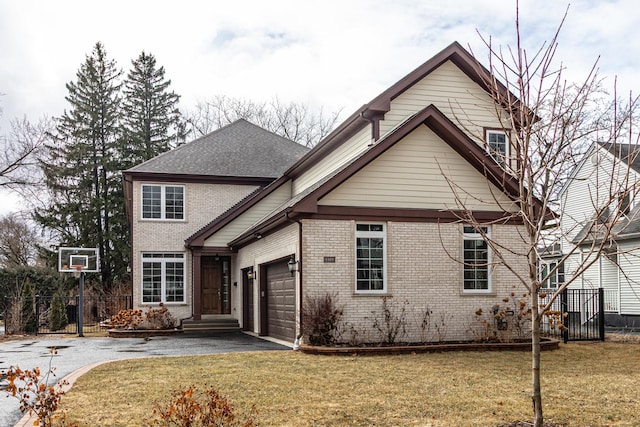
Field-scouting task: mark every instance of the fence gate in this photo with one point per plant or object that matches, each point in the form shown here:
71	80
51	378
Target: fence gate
585	319
60	315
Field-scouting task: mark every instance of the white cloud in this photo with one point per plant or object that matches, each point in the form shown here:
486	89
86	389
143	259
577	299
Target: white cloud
332	53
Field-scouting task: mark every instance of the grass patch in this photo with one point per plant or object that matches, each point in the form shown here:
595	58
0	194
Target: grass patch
583	384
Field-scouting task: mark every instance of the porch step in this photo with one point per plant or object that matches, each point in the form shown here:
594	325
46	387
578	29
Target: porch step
211	325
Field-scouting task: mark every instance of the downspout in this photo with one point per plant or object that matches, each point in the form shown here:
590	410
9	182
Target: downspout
300	270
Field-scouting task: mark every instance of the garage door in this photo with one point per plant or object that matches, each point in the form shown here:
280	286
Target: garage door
281	302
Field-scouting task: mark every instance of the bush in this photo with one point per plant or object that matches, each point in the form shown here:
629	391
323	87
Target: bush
153	318
57	313
188	408
321	319
392	323
28	310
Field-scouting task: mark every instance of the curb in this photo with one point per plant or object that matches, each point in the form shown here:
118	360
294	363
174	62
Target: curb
29	419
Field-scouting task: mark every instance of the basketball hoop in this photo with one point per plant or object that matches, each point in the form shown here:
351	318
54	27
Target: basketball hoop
77	270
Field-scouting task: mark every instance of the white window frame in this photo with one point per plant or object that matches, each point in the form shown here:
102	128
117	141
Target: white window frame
163	202
502	159
378	234
163	258
545	268
474	235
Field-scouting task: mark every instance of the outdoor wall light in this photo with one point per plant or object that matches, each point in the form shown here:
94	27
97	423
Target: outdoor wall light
292	264
250	275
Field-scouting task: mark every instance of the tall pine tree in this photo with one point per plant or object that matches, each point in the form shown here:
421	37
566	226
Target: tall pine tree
83	169
152	122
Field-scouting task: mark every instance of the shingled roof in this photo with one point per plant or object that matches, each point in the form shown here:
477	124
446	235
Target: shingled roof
629	153
240	149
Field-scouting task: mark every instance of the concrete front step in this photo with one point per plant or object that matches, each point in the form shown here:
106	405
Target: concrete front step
211	325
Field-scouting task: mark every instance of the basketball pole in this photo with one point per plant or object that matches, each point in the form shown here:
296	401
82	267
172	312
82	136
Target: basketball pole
81	306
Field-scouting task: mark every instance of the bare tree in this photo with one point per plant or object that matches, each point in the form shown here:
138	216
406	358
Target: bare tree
17	242
295	121
549	125
20	151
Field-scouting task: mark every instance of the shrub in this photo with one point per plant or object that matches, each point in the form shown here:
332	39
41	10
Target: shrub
321	319
28	310
392	322
159	318
57	313
126	319
35	394
188	408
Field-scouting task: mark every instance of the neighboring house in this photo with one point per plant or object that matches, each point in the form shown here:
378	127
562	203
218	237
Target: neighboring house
370	212
602	188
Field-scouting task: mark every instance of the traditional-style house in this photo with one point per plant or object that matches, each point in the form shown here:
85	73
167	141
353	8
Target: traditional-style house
370	215
601	194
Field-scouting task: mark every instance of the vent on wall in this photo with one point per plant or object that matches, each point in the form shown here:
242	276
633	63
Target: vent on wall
594	159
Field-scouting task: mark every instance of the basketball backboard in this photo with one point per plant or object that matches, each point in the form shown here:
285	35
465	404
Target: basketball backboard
70	258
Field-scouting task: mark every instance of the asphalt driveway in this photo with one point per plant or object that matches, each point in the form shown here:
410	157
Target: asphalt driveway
75	353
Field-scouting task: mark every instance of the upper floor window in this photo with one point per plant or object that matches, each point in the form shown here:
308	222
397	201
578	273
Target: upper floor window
498	145
370	258
163	202
625	202
476	259
551	275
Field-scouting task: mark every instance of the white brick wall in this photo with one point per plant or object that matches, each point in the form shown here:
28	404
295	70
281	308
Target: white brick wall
203	203
419	272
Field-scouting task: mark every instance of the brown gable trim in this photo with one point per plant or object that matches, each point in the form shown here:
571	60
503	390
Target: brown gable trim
411	215
198	238
445	129
376	109
212	250
198	179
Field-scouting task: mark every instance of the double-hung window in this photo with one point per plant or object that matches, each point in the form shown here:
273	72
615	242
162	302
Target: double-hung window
164	202
554	277
498	145
476	260
163	277
370	258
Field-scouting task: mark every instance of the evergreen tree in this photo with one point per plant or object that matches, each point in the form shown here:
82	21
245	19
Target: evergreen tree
152	122
28	311
57	313
82	171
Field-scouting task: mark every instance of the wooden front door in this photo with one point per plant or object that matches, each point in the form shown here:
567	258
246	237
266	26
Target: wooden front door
211	285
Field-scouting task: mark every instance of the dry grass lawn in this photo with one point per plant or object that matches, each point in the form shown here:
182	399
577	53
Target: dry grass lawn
584	384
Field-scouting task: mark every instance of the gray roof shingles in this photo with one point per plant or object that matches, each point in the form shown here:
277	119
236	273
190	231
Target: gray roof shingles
240	149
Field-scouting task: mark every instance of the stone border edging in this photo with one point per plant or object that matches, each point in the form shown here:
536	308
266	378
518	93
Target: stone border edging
545	345
142	333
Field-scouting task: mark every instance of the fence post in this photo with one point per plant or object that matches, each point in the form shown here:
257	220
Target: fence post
563	310
601	313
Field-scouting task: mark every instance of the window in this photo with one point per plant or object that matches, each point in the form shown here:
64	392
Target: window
476	260
163	202
163	277
556	277
498	145
370	258
624	202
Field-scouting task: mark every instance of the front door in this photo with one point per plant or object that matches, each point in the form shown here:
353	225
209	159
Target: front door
215	285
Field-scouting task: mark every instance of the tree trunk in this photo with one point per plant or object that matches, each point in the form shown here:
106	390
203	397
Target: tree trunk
536	395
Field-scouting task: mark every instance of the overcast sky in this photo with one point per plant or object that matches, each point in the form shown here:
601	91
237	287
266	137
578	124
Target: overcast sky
334	54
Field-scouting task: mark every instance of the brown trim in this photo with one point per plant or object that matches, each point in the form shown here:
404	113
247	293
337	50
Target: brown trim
410	215
191	178
197	285
264	320
198	238
246	281
445	129
382	103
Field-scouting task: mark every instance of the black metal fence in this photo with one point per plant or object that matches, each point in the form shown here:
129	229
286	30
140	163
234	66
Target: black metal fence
582	314
61	316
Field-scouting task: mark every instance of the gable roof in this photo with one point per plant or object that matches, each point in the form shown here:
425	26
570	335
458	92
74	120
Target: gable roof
373	111
307	201
240	149
370	114
628	153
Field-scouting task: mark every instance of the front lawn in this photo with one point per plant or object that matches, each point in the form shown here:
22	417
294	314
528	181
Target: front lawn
585	384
